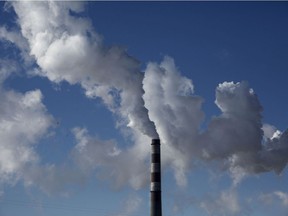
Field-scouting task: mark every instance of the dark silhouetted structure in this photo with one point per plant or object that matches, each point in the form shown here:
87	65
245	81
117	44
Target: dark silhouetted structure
155	187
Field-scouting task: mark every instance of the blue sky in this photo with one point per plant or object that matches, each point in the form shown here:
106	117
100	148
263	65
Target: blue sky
84	85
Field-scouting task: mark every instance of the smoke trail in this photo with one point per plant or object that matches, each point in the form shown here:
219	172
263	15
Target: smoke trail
67	48
235	137
176	112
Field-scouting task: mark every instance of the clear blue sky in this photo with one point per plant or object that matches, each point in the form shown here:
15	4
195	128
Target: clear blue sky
74	121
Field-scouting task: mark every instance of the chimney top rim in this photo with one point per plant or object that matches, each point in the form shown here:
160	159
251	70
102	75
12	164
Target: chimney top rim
155	142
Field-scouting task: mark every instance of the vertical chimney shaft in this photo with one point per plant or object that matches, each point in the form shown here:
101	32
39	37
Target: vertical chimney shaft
155	187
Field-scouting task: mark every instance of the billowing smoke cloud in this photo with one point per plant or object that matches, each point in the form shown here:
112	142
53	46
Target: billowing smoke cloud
176	112
112	164
238	129
66	48
23	121
235	137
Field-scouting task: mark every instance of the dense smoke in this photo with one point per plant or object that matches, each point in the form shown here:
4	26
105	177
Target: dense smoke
236	136
176	112
65	47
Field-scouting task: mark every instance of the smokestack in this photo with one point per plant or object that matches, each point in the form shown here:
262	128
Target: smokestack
155	187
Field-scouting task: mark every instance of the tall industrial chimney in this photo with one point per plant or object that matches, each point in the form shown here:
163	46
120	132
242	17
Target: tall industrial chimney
155	187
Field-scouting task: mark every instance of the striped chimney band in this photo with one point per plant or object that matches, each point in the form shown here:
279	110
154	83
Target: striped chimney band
155	165
155	187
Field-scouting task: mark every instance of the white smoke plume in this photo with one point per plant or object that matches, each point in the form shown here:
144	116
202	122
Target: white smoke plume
112	164
235	137
66	48
23	121
176	112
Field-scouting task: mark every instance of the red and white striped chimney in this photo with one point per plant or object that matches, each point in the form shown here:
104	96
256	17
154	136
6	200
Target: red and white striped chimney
155	187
